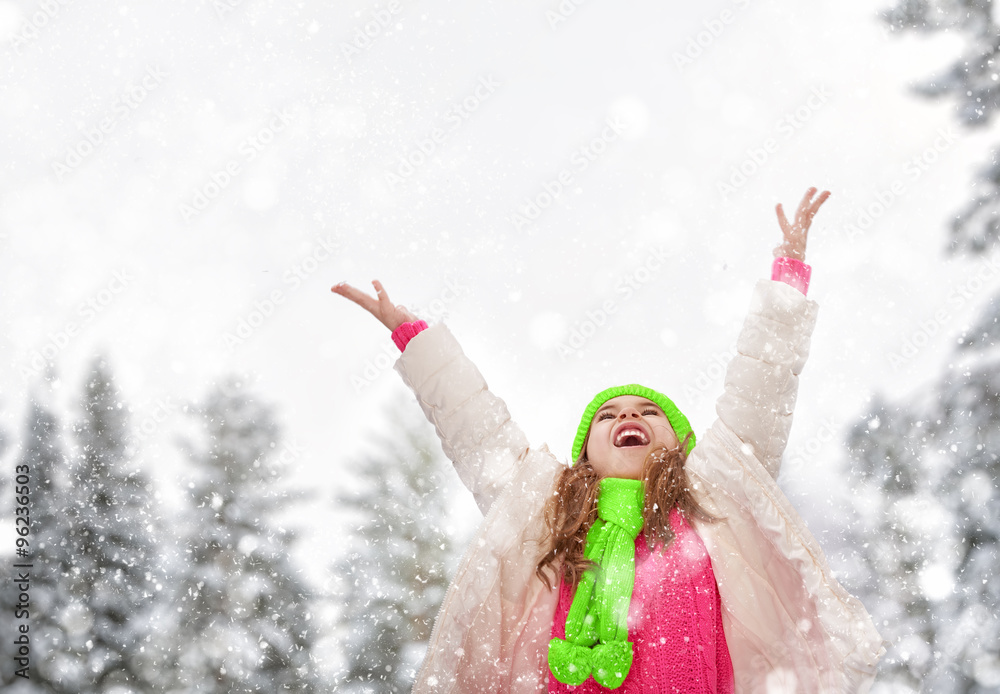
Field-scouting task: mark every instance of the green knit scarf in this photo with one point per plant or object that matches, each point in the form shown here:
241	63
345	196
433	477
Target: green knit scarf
596	640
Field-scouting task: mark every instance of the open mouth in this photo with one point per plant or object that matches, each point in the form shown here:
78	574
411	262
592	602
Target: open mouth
629	436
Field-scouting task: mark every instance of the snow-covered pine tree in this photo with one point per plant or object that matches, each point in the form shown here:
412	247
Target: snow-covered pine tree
929	502
394	574
3	441
247	623
113	578
44	463
891	489
971	81
968	437
931	543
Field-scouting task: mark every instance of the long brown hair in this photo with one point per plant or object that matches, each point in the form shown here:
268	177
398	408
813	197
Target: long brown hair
572	509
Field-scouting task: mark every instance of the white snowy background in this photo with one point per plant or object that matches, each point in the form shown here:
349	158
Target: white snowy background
289	125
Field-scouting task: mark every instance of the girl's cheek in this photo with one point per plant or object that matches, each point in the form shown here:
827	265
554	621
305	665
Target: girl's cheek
664	432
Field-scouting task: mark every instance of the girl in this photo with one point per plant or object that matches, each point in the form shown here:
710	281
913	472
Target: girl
653	563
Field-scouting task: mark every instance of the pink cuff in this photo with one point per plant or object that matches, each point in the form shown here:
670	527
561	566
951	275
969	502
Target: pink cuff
405	332
792	272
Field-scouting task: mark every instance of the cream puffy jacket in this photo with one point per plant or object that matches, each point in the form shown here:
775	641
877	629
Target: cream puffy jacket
789	625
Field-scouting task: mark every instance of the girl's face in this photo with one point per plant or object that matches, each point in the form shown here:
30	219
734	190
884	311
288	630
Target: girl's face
623	432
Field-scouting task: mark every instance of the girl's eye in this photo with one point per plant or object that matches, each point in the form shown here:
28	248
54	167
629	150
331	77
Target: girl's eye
607	414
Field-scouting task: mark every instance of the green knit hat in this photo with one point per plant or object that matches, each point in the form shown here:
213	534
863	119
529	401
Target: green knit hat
677	420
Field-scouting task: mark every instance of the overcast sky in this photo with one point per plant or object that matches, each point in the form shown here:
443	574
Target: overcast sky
586	196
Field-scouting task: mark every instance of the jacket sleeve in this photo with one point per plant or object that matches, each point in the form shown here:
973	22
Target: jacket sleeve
475	428
762	379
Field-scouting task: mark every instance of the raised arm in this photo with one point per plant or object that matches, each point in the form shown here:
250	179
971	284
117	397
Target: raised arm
475	427
762	379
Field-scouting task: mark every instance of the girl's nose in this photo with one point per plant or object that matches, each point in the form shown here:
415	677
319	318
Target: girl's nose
628	412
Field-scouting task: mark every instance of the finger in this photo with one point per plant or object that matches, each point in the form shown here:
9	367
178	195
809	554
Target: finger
814	207
383	297
346	291
820	200
805	204
782	220
357	296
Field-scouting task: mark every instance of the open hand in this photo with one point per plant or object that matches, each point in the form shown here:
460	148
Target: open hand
389	314
796	233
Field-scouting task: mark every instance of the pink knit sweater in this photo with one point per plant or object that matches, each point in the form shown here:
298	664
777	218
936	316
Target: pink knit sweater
674	622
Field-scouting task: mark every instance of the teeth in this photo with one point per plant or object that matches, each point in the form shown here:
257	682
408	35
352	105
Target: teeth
632	431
